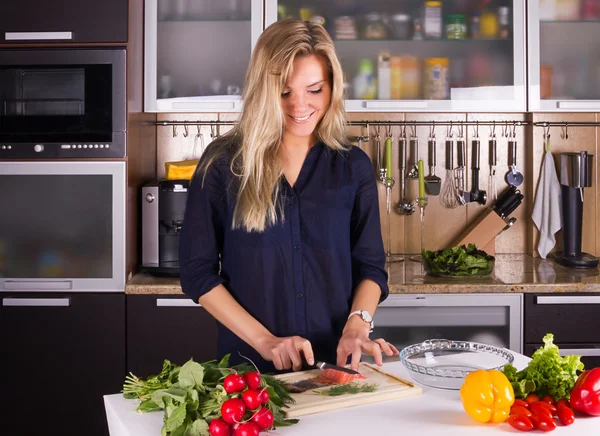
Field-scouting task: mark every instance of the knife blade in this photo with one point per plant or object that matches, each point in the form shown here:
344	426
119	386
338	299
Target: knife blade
325	365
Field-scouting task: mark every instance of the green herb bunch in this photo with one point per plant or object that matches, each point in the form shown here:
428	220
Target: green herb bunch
191	395
547	373
458	261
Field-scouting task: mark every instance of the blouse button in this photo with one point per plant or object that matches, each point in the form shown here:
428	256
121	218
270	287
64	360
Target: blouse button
297	247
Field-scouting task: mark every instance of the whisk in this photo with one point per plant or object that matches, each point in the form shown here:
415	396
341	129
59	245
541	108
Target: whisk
448	197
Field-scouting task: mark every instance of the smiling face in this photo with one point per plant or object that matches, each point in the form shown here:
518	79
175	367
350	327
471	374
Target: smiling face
305	98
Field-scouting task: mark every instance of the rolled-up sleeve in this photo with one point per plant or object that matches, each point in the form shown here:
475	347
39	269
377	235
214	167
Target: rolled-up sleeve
201	238
368	255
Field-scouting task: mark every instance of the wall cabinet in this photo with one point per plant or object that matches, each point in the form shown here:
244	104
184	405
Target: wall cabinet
573	320
167	327
61	354
63	21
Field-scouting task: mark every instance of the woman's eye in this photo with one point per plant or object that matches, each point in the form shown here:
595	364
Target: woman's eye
316	91
285	94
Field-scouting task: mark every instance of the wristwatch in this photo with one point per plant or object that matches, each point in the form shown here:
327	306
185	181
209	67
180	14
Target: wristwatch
365	316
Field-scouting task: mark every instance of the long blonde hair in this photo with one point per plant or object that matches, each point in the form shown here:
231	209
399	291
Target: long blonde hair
260	129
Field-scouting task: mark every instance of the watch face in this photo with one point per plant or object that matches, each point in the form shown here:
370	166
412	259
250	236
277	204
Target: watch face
366	316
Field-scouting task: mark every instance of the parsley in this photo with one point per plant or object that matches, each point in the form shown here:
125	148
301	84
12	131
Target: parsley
348	388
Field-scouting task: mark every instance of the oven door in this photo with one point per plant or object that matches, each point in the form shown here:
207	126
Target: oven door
62	103
62	226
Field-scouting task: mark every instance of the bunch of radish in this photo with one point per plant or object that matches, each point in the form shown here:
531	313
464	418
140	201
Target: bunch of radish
245	413
535	413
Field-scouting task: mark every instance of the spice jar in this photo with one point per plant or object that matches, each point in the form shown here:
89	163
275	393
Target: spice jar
374	27
402	26
433	20
456	27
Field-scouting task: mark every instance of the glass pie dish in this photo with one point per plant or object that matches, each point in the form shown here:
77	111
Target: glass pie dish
443	364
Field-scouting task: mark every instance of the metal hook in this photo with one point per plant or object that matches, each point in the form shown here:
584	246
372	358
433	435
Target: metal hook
514	131
493	130
564	134
414	129
432	130
174	130
449	132
213	131
546	128
378	130
506	130
477	129
404	130
461	130
198	128
389	130
366	138
186	132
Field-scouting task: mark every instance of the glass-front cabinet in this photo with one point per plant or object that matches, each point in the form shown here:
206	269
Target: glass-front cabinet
197	53
564	55
419	55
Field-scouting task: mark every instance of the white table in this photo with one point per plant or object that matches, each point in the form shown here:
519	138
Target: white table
435	412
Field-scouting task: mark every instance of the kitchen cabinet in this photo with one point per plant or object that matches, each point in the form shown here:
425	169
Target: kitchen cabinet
167	327
63	21
564	56
197	53
494	319
423	56
60	354
571	317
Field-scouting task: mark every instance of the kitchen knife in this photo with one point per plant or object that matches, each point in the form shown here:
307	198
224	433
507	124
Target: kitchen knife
324	365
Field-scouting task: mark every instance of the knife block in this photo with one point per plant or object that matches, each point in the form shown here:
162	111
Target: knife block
482	232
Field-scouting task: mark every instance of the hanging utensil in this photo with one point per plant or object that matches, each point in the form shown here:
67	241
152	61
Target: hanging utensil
475	194
492	159
413	170
379	170
433	183
448	197
459	171
513	176
403	207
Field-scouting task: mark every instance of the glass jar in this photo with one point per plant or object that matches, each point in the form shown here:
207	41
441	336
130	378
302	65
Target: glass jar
432	25
374	27
401	24
436	80
503	22
456	27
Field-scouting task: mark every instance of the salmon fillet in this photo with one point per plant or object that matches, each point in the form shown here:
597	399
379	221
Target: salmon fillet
340	377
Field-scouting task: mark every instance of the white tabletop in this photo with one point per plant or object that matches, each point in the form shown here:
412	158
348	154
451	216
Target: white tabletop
435	412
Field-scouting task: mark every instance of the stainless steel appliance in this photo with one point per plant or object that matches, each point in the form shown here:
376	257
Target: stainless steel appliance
62	226
62	103
163	207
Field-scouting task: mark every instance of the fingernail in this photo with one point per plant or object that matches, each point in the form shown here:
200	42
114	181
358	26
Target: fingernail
311	361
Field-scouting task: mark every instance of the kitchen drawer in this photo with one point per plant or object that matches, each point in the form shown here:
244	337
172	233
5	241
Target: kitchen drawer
170	327
572	318
590	354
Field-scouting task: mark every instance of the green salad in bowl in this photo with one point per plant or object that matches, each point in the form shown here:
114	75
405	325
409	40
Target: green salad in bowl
460	261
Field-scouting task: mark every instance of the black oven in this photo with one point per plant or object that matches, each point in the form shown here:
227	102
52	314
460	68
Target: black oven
62	103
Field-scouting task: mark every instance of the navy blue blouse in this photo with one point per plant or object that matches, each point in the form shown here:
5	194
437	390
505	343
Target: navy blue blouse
298	276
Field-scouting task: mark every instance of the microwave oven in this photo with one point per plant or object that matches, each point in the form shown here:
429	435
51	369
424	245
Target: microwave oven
62	103
62	226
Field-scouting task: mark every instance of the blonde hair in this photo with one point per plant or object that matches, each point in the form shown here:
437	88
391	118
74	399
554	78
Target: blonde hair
258	134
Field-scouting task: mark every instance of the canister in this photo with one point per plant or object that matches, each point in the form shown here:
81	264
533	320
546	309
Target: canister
435	83
456	26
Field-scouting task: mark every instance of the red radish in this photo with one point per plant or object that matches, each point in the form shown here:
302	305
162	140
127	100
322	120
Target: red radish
251	398
233	410
218	427
234	383
263	418
247	429
252	379
264	396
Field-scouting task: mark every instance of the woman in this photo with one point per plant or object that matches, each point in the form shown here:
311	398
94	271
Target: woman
281	240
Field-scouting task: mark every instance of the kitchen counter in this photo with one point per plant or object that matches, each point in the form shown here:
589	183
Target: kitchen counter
434	412
516	273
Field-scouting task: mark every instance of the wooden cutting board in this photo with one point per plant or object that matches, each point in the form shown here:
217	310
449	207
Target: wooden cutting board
389	386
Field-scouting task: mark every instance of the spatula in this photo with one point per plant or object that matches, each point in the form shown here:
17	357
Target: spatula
433	183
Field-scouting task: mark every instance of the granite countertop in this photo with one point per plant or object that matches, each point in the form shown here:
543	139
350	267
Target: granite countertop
512	273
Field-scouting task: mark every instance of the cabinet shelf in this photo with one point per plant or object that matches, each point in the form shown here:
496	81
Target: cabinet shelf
569	21
426	41
203	20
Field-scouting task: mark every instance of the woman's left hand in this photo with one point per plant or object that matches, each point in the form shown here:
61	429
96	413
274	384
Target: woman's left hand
355	341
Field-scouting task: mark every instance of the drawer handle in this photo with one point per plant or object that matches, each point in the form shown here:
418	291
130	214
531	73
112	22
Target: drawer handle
575	104
36	302
383	104
41	285
572	299
393	301
588	352
27	36
175	302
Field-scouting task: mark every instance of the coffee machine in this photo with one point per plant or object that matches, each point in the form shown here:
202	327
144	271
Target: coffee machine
163	207
576	173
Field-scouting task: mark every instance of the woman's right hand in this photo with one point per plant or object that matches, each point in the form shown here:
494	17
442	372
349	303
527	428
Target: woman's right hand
285	353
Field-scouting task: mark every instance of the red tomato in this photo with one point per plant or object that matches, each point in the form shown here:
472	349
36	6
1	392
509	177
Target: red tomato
520	422
565	415
233	410
548	399
563	402
264	396
234	383
520	410
536	409
246	429
263	418
543	422
252	379
251	398
218	427
521	403
531	398
551	408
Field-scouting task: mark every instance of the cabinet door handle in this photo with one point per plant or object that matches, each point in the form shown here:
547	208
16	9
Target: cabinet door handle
569	299
383	104
42	285
405	302
175	302
588	352
36	302
575	104
28	36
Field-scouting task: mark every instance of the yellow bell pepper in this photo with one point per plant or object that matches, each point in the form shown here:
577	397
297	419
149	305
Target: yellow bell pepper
487	396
